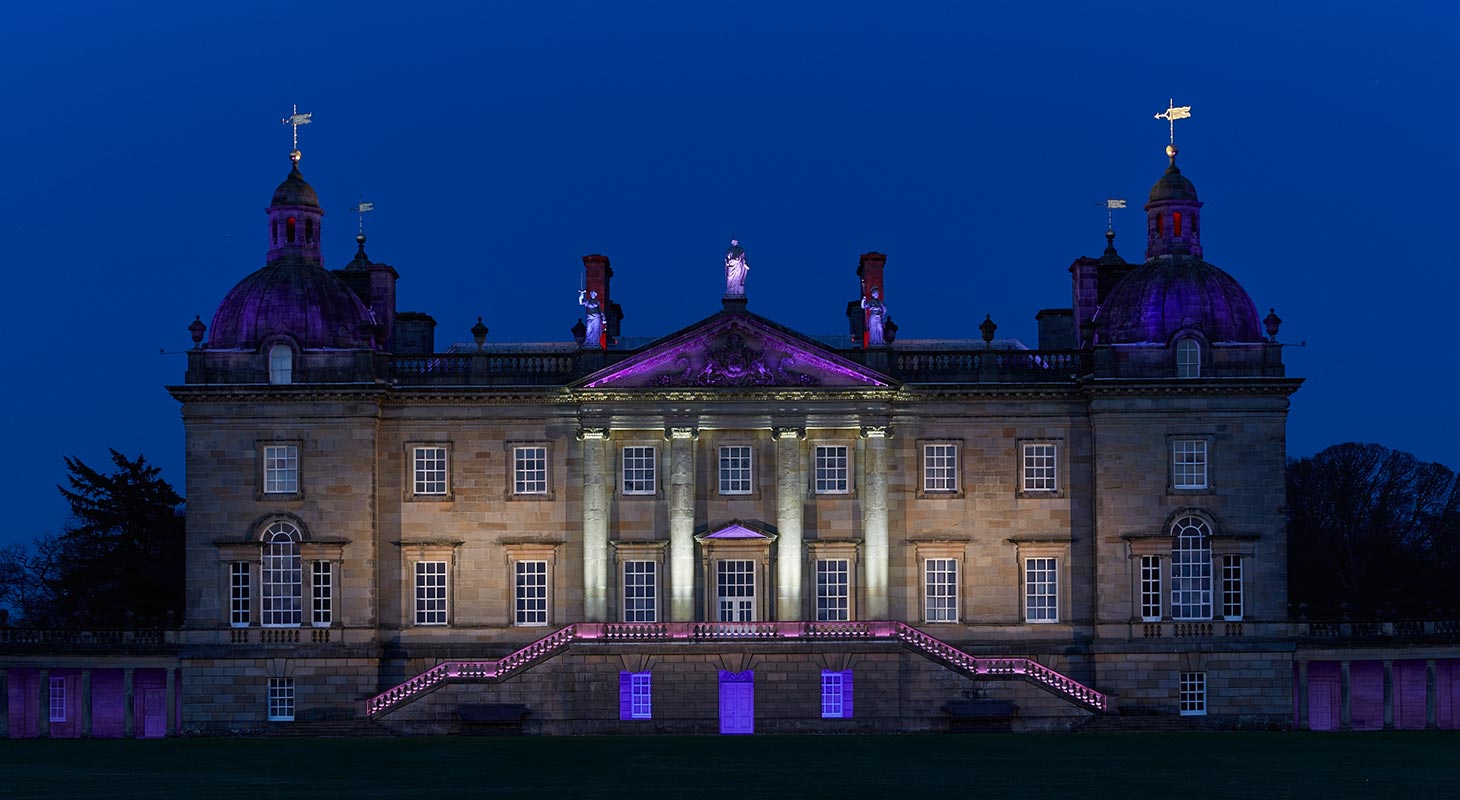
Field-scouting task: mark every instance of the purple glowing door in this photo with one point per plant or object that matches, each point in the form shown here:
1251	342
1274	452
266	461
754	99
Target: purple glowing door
154	718
1321	706
737	702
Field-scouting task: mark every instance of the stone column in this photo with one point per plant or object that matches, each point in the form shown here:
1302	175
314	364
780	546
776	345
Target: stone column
171	697
790	510
1388	695
86	702
1431	698
681	496
1345	716
874	521
43	714
4	703
595	524
1303	695
128	730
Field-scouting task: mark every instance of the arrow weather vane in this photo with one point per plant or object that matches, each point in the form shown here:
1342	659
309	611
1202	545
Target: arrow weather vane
1172	113
295	120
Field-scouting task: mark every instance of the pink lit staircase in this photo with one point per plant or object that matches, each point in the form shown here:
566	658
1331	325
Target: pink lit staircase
1007	668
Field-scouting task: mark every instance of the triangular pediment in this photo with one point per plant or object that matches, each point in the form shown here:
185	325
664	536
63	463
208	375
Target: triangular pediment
735	351
734	530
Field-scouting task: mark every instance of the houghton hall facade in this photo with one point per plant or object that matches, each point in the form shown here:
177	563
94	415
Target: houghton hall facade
735	527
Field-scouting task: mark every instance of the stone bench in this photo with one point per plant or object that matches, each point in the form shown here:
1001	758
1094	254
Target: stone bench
491	719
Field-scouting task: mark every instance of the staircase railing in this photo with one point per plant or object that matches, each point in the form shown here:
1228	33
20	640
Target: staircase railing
495	671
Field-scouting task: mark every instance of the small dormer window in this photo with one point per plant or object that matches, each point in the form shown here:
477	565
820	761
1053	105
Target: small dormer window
281	364
1188	358
289	229
1176	224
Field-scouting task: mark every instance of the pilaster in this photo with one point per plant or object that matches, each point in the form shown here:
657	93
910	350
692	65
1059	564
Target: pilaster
874	521
681	497
790	510
595	524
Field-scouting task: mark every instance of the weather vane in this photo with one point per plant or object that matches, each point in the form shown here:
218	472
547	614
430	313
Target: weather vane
360	208
1110	205
295	120
1172	113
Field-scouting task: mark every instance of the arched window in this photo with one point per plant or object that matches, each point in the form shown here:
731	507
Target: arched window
308	231
274	231
281	364
1160	226
283	585
1191	569
1176	223
1188	358
289	229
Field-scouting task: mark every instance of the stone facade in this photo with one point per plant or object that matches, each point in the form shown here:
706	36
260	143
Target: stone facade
359	518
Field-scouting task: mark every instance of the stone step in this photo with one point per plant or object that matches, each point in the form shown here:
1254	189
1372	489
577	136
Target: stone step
336	728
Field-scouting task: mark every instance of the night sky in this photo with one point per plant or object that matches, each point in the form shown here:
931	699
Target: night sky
971	142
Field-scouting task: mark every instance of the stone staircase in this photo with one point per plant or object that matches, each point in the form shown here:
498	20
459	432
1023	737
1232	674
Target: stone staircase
713	633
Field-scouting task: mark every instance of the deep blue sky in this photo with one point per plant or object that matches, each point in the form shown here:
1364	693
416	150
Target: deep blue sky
501	142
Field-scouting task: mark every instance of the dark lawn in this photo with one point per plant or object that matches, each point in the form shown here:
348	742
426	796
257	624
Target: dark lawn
1407	766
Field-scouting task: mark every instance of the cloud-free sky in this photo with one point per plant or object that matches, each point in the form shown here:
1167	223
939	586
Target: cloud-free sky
971	142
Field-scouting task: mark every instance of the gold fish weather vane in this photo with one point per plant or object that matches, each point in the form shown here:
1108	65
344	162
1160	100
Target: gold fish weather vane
295	120
1172	113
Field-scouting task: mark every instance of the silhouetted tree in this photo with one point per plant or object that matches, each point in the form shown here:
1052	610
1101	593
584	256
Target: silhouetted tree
1375	528
117	563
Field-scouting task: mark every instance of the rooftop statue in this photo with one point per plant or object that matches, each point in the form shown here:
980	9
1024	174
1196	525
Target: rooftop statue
592	318
735	270
876	318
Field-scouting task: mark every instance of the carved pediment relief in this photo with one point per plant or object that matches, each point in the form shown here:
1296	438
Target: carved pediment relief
734	352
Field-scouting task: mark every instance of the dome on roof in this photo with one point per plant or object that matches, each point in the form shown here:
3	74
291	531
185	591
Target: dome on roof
1172	186
1167	295
294	298
295	191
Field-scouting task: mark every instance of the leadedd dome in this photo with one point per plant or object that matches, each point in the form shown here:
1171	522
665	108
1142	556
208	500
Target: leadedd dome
1174	293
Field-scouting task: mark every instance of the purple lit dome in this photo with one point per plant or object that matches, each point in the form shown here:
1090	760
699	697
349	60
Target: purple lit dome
1174	293
295	191
1171	186
292	298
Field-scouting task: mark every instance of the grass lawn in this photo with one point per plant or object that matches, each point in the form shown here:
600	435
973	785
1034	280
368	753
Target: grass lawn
1408	766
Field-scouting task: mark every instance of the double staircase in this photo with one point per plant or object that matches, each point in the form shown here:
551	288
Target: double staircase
984	667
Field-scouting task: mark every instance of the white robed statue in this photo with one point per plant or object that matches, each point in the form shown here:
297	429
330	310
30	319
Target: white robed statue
876	318
735	270
592	318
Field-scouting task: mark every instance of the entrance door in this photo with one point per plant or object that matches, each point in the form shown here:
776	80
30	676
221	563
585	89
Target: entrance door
1321	705
154	718
735	588
737	702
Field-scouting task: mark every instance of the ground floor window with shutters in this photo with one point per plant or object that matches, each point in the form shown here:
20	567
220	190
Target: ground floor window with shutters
836	694
635	695
1193	697
281	699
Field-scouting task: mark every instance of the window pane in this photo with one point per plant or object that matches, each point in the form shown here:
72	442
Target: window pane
281	699
531	594
1232	587
281	469
529	470
323	594
640	696
1191	570
831	694
430	470
639	470
1039	468
1188	359
941	579
240	594
58	699
735	590
1150	588
1193	693
833	595
1040	595
1189	463
735	470
283	582
639	591
832	473
940	468
430	592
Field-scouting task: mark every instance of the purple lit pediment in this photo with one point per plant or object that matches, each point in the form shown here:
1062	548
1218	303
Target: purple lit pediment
734	352
734	531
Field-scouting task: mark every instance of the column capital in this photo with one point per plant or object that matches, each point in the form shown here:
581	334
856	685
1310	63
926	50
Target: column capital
876	431
789	432
597	434
682	432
